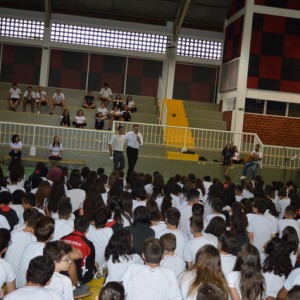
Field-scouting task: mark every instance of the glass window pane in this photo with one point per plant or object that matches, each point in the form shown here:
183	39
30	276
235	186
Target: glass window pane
276	108
254	106
294	110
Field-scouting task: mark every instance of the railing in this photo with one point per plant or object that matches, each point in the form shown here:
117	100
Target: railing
160	97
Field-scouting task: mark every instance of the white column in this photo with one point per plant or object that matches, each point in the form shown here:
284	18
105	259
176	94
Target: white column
168	74
238	114
45	60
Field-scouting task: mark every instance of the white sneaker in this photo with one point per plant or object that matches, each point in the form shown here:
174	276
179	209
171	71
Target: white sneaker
38	112
243	177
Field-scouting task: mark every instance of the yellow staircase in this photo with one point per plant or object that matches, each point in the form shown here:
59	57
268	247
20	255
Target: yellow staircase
178	137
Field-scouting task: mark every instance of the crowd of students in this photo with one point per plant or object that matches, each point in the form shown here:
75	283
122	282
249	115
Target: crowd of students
109	108
152	238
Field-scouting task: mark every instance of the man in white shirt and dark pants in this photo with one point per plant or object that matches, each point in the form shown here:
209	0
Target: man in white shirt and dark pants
116	149
134	140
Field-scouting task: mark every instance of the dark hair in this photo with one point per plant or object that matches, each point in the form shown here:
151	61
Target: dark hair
282	193
294	293
31	216
64	207
74	181
53	143
40	270
217	205
14	137
290	236
251	279
167	200
100	219
198	210
168	241
119	245
142	215
5	197
153	250
29	198
17	196
216	226
173	216
239	223
290	211
260	204
57	191
112	290
85	171
196	223
192	194
92	204
44	228
210	291
228	242
278	258
4	238
56	250
81	224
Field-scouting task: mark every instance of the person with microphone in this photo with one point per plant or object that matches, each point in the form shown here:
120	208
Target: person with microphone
134	140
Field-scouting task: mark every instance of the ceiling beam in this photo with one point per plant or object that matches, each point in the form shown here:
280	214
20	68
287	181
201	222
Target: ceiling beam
47	12
180	16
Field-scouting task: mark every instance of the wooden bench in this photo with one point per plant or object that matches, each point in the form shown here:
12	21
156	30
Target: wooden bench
46	160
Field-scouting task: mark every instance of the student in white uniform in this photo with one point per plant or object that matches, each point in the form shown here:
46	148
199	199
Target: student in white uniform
119	255
7	274
247	270
38	275
292	281
227	246
58	252
206	269
43	232
99	235
283	202
21	237
172	221
199	240
150	281
276	266
112	290
290	236
210	291
14	96
75	193
170	258
289	215
217	207
261	229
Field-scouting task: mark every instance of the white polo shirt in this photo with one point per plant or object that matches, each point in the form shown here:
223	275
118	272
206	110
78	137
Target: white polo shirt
15	93
117	142
132	140
61	284
33	292
58	98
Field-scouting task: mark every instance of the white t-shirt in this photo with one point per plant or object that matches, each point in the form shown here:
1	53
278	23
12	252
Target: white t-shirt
103	110
181	240
77	197
58	98
262	229
15	93
105	92
142	282
160	227
14	187
19	240
282	205
273	284
55	150
233	280
174	262
175	201
227	263
136	203
117	269
40	96
193	245
132	139
31	251
17	146
62	285
100	238
208	218
18	208
292	280
4	223
62	228
29	96
80	119
281	224
186	213
32	293
206	185
7	274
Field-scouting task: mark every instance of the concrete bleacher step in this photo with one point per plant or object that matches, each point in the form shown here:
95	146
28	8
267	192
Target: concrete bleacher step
201	105
207	124
204	114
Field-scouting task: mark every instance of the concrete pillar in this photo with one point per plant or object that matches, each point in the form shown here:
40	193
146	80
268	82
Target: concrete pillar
45	60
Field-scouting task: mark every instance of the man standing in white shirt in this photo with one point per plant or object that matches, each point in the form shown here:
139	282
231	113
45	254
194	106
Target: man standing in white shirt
105	95
116	149
58	99
14	96
134	140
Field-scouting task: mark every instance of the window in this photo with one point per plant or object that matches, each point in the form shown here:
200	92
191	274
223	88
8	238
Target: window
254	106
276	108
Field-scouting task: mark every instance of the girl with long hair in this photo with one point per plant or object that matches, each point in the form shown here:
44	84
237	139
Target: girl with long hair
206	269
246	280
290	236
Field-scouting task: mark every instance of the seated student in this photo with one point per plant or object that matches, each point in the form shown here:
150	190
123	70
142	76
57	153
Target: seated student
163	279
99	120
29	97
112	290
59	253
64	224
102	109
29	201
7	212
119	255
130	103
65	119
126	114
7	273
217	208
199	240
227	245
89	100
210	291
43	232
15	147
58	99
289	215
105	95
75	193
21	237
99	235
170	259
118	101
238	193
55	149
38	275
115	115
86	264
172	221
14	96
79	120
40	98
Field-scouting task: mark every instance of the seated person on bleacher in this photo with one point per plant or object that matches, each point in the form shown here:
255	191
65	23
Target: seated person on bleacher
65	119
14	96
130	103
58	99
99	120
126	114
102	109
40	98
115	115
105	95
55	149
89	101
118	101
29	97
79	120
